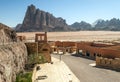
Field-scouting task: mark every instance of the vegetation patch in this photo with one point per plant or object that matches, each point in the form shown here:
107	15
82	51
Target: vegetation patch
24	77
34	59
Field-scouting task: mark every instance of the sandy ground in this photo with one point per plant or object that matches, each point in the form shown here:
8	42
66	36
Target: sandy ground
78	36
56	72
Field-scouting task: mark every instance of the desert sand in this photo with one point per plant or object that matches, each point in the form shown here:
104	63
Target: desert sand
77	36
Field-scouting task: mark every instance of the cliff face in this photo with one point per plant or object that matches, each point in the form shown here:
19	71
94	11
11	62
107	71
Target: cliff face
12	61
7	34
38	20
13	55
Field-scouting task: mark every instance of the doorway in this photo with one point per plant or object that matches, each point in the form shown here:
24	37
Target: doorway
87	54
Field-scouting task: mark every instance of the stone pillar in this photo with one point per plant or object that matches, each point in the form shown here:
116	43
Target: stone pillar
84	53
45	38
99	61
70	49
77	51
64	50
36	39
116	63
57	50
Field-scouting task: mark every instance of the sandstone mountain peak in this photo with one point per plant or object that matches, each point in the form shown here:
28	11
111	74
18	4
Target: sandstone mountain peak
39	20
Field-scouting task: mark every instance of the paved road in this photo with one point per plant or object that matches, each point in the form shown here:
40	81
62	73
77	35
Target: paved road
87	73
56	72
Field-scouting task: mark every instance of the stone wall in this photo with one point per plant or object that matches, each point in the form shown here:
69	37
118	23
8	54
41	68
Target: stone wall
31	47
21	38
40	48
94	51
108	63
65	44
101	44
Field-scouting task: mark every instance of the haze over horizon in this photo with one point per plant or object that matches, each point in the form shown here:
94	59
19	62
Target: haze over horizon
13	12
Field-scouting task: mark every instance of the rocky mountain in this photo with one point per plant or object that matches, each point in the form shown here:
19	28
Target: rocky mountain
81	26
112	25
109	25
18	26
13	54
38	20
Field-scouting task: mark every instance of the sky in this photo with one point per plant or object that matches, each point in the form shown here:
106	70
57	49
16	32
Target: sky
12	12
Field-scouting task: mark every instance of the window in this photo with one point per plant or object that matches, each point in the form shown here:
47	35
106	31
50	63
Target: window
42	37
45	49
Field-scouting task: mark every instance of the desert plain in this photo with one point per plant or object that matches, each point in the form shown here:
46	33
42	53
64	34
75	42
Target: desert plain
77	36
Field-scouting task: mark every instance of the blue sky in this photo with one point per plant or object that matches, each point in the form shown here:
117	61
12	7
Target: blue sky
12	12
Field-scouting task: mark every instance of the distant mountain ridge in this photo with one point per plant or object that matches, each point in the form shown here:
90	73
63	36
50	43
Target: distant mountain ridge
81	26
112	25
38	20
107	25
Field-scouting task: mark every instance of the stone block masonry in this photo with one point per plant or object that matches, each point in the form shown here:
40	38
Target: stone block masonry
39	48
108	63
32	47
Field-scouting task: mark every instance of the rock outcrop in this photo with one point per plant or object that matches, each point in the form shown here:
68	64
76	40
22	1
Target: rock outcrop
38	20
13	55
12	61
7	34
